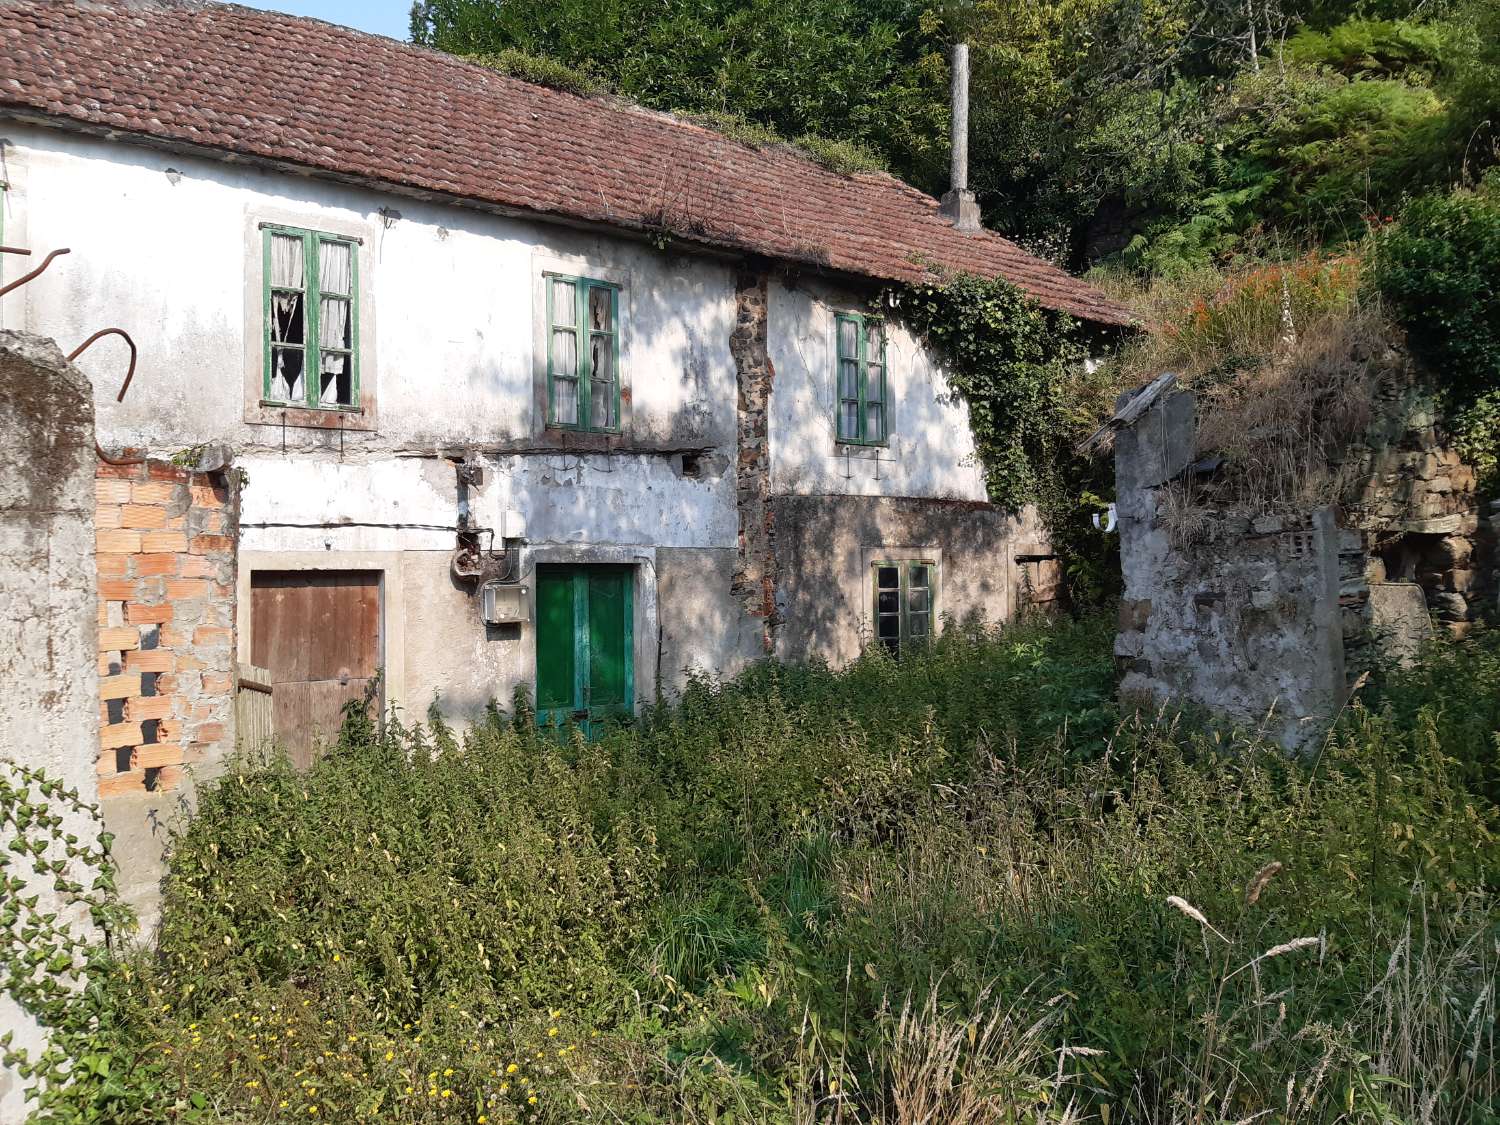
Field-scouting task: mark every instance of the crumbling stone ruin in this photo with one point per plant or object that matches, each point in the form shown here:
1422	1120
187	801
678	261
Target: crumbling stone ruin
1270	617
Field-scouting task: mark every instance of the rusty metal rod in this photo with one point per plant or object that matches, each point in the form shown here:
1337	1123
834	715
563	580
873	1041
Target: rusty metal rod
15	250
120	332
22	280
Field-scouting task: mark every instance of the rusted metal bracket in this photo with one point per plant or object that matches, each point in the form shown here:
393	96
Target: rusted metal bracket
120	332
24	278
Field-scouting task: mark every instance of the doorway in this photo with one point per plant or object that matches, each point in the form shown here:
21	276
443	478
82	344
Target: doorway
318	634
585	668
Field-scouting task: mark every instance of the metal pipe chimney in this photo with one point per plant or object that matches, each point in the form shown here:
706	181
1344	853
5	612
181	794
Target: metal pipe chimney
958	203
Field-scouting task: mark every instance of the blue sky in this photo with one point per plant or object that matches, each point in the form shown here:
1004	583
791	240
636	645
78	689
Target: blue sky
384	17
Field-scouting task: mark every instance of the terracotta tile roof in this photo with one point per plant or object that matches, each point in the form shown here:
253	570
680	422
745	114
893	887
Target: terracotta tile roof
345	103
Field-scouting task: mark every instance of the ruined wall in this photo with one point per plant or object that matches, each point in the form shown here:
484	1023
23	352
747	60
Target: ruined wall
47	608
165	541
827	545
1416	508
1243	617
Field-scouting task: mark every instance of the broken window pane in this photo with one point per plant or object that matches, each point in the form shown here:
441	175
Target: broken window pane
288	323
286	374
919	575
565	402
336	267
601	308
337	387
602	389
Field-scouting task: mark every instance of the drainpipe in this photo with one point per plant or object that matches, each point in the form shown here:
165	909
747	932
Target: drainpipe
958	204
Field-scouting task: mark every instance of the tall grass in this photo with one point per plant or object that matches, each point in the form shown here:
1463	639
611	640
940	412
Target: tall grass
962	887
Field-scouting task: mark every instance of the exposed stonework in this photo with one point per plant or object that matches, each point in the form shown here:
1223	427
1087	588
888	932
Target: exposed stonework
47	630
166	557
755	573
1417	511
166	547
1270	617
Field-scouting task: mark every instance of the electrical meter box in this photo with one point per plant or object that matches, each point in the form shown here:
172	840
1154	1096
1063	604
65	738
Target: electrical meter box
501	603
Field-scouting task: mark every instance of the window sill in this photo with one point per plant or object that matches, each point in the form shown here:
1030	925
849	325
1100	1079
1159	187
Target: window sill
266	412
564	437
846	444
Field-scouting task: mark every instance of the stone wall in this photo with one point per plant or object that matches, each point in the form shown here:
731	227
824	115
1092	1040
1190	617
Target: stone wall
47	617
165	539
754	582
1270	618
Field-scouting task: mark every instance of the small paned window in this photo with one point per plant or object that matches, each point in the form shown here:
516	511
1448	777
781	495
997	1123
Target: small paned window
312	319
861	379
903	603
583	354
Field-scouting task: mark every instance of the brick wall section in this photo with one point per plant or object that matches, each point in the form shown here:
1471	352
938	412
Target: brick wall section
755	569
165	543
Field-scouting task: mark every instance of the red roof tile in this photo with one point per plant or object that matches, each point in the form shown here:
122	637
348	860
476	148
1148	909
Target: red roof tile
342	102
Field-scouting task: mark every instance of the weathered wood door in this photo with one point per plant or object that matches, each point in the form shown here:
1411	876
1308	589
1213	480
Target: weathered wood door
584	666
318	633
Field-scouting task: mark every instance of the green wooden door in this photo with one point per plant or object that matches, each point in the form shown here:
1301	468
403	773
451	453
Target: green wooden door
584	670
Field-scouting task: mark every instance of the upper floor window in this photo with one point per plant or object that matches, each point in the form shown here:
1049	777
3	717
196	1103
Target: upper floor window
904	592
861	379
311	319
583	354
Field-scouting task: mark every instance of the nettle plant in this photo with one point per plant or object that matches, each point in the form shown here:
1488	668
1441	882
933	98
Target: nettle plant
55	960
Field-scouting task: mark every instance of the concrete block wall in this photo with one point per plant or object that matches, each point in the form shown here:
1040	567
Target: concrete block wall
165	546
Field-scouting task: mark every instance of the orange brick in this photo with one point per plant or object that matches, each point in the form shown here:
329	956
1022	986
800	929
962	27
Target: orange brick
168	778
153	492
164	541
103	615
148	707
159	754
104	662
187	662
168	730
119	734
201	712
119	687
108	540
111	491
131	471
160	470
122	784
118	638
210	732
115	589
207	496
212	544
148	614
168	683
104	764
107	518
198	566
171	638
211	635
113	566
216	683
155	564
143	515
176	523
181	589
150	660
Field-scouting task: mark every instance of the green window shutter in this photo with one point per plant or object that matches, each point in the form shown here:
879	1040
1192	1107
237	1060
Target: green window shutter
583	354
862	407
311	307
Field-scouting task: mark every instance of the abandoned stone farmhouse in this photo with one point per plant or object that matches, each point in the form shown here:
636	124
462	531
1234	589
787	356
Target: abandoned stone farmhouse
471	384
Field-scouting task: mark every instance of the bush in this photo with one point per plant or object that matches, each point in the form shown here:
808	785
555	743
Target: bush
961	886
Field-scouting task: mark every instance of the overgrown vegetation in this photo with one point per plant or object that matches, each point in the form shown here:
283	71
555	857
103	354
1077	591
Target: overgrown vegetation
962	887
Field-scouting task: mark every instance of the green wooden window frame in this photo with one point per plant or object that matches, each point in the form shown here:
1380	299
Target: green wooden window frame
583	358
313	294
862	403
904	601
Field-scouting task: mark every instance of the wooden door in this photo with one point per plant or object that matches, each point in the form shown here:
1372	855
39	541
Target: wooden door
318	634
584	658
